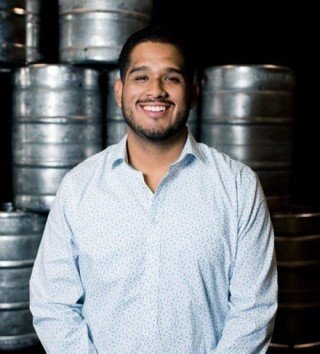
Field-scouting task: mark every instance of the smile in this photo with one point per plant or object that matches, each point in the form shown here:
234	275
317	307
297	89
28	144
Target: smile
154	108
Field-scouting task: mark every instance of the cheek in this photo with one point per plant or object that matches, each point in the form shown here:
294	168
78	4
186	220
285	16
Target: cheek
130	97
183	102
180	96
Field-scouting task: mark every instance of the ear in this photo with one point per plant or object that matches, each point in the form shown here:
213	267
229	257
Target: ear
194	94
118	86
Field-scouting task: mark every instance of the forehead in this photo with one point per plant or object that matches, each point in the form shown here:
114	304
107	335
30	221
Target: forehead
156	55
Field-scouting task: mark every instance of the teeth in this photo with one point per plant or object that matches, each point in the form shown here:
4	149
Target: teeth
154	108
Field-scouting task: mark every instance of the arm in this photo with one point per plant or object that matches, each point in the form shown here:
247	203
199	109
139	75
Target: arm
56	292
253	284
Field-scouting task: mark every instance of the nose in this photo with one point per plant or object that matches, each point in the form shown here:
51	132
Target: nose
156	89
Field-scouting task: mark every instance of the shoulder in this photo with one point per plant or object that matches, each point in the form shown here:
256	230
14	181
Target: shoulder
88	170
225	165
231	177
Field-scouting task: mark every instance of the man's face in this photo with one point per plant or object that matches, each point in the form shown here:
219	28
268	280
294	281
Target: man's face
155	96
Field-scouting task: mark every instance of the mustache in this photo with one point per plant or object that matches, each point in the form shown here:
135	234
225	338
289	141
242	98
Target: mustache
156	101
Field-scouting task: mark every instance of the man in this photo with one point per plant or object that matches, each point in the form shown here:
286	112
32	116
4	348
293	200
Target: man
158	244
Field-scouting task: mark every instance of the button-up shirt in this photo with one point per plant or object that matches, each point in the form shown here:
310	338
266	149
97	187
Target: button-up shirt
189	268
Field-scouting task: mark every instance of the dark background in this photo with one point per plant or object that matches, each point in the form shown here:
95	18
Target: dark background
265	33
225	33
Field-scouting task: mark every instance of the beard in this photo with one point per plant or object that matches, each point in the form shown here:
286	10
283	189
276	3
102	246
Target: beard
155	134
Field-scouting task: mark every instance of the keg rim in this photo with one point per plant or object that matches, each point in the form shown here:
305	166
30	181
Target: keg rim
292	211
13	214
56	65
295	346
250	66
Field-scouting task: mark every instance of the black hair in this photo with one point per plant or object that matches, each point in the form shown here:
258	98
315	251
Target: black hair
157	34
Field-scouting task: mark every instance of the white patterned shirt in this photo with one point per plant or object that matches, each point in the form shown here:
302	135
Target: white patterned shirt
189	268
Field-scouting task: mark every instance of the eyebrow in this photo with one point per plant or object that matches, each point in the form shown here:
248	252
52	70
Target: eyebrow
146	68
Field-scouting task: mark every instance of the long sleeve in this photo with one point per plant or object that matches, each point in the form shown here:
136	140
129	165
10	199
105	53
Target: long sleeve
56	292
253	284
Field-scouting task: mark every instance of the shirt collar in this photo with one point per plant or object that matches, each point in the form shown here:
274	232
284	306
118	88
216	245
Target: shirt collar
191	147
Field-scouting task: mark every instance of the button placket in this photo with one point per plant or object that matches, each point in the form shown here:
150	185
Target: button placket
153	259
152	274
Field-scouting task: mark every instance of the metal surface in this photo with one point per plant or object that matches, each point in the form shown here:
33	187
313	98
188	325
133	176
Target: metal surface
308	348
247	114
297	246
19	31
296	221
95	30
57	113
259	146
20	236
251	77
115	123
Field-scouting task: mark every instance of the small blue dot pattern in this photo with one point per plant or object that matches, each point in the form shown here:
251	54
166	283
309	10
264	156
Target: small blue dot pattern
188	268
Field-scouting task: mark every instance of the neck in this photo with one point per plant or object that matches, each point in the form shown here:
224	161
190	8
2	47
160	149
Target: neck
148	156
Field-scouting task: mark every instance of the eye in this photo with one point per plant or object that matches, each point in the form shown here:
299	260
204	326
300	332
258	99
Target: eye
141	78
173	79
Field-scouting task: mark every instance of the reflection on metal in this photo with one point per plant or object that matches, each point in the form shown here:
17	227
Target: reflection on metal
19	31
115	123
247	114
20	235
56	125
297	245
95	30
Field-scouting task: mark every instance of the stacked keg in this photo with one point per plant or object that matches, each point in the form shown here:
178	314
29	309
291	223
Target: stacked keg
114	122
20	235
57	124
19	31
95	30
297	246
56	119
20	231
247	114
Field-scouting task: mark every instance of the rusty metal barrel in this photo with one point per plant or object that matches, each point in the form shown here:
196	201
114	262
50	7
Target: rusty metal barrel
57	124
20	235
247	114
19	31
95	30
297	246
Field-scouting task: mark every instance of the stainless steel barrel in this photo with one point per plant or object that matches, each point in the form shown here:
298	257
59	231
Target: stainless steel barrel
95	30
247	114
20	235
115	123
57	113
297	245
19	31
